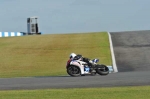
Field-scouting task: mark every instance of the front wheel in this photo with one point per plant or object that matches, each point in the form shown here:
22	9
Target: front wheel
102	69
74	71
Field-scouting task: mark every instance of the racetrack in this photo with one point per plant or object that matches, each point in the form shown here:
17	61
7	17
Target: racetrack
132	50
114	79
132	58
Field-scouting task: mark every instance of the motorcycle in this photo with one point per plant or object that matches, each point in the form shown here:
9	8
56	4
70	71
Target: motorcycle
79	68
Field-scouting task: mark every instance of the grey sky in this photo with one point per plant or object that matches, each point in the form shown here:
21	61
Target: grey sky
71	16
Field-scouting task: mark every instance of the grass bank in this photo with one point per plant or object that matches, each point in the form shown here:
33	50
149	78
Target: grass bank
46	55
141	92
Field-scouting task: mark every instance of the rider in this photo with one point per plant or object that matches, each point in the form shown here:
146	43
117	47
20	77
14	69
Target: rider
73	56
84	59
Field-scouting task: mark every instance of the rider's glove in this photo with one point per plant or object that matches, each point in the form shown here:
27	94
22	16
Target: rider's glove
90	61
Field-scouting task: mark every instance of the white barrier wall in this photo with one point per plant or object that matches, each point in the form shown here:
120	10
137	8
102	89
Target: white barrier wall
10	34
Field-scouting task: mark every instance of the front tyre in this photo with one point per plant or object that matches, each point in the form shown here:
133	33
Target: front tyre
102	69
74	71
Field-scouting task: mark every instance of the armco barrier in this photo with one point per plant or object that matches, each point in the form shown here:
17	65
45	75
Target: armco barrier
10	34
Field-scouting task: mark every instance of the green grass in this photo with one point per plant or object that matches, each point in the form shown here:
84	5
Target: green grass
46	55
141	92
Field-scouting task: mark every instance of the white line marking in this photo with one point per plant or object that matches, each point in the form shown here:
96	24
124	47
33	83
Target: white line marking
112	54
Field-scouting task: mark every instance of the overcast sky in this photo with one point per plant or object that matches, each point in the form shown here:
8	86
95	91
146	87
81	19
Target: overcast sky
71	16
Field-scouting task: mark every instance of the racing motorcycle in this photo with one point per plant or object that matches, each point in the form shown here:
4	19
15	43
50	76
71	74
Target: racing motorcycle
80	68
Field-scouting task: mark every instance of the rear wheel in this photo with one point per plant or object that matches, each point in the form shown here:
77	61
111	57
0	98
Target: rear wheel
74	71
102	69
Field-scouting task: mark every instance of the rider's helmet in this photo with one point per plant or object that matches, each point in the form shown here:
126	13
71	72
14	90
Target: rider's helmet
72	55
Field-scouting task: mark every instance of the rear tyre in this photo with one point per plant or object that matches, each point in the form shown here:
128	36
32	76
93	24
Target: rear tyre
74	71
102	69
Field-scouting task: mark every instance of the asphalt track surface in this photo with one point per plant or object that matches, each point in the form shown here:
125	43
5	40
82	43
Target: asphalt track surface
132	58
132	50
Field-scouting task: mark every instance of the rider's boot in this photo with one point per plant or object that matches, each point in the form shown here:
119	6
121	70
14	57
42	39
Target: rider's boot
92	68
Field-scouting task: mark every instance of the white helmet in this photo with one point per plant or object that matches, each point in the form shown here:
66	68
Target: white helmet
72	55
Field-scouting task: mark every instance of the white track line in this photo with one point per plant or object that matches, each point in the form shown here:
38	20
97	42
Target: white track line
112	54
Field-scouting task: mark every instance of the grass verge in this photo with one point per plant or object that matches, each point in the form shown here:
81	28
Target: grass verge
140	92
46	55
